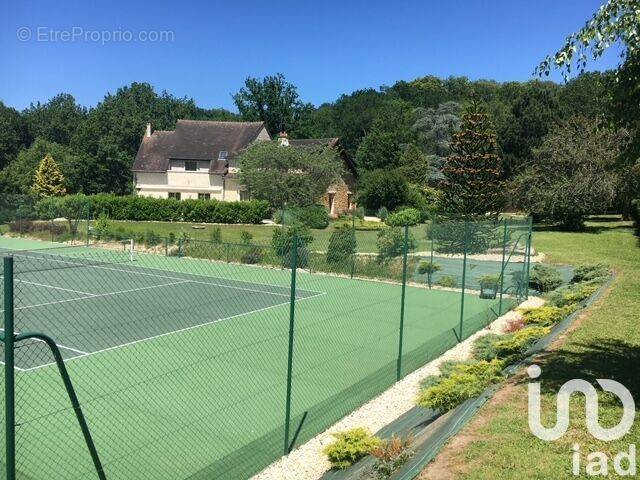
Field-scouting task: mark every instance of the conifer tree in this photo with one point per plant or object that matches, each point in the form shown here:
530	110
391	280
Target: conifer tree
49	181
473	187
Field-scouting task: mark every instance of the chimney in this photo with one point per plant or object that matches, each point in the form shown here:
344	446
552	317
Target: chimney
283	139
147	132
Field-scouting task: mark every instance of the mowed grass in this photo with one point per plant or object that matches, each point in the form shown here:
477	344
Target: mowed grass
604	344
262	234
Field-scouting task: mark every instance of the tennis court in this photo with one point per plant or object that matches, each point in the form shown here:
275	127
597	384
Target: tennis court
180	364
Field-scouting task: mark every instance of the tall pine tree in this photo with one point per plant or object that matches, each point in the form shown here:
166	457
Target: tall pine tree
49	181
472	187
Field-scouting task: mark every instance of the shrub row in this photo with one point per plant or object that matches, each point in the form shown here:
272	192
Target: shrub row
156	209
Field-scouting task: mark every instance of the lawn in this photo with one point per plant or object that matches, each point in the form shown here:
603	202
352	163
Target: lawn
604	344
262	234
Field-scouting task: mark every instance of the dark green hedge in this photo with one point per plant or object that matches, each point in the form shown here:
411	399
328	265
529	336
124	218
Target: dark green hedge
164	209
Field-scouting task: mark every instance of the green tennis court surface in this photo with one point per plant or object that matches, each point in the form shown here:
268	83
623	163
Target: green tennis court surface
180	364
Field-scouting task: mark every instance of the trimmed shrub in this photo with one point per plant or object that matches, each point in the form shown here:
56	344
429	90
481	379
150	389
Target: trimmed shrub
350	446
282	242
447	281
162	209
151	238
342	245
544	278
406	216
390	243
383	213
598	272
428	268
215	235
313	216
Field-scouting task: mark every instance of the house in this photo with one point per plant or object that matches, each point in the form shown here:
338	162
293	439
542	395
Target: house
198	160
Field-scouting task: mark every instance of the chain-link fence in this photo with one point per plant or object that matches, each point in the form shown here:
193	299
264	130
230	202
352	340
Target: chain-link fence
203	359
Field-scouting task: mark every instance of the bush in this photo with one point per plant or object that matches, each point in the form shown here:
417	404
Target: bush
428	268
571	294
515	344
406	216
103	227
635	214
282	242
489	281
252	254
544	278
151	238
215	235
350	446
313	216
544	316
245	237
484	347
463	382
157	209
342	245
359	213
598	272
391	455
447	281
390	243
382	213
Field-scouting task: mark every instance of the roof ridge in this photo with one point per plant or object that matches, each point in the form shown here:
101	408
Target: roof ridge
230	122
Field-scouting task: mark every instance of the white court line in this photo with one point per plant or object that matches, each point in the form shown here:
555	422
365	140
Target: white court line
193	327
168	277
98	295
54	287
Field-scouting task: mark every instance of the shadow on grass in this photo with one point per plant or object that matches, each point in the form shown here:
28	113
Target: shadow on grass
587	228
609	359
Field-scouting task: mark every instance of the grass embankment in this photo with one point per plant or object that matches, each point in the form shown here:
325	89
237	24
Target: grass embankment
605	343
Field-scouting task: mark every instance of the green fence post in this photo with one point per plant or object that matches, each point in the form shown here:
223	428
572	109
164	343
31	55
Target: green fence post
464	278
355	251
9	380
292	316
402	295
502	266
88	224
528	258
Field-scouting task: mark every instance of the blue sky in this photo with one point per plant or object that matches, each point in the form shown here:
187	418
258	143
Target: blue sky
326	48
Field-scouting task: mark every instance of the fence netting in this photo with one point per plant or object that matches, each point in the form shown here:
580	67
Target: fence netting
196	359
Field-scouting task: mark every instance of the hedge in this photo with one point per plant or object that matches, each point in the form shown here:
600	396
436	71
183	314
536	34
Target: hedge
165	209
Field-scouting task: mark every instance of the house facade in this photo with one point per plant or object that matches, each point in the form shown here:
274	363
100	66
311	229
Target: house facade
197	160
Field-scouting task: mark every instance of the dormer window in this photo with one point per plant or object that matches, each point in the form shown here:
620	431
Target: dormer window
191	166
222	155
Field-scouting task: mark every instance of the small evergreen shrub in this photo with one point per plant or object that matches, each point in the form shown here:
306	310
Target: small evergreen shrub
447	281
342	245
546	315
544	278
598	272
513	345
382	213
215	235
314	216
350	446
428	268
571	294
151	238
359	212
484	347
102	229
282	243
463	382
406	216
390	243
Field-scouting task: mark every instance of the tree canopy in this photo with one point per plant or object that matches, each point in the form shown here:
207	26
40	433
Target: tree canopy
288	175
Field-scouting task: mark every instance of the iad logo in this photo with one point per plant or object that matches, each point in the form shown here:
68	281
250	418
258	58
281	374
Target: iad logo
598	462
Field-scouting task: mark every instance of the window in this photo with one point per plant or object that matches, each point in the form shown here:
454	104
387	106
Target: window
244	196
222	155
174	195
191	166
204	196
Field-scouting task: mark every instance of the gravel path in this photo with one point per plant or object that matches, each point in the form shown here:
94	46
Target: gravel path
307	462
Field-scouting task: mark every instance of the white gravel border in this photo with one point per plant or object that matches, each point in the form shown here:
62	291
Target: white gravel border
307	462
